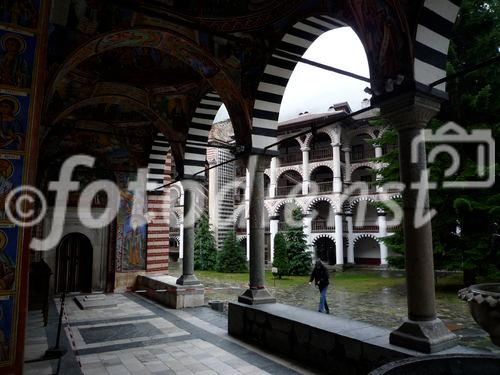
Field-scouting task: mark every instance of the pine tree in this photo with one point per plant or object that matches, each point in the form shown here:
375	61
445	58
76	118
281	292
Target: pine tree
281	260
205	250
297	251
232	257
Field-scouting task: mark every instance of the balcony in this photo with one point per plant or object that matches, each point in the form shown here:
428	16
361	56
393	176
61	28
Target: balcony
175	231
239	198
320	154
290	159
288	191
322	226
322	187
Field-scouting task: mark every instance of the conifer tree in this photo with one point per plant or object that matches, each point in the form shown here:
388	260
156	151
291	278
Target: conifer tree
205	250
232	257
297	251
281	260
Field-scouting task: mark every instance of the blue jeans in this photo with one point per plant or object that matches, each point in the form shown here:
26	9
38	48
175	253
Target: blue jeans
323	306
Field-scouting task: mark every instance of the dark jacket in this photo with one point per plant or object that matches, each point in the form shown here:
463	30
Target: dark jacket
320	277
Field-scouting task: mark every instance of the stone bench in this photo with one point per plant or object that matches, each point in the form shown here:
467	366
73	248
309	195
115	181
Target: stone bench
333	344
164	290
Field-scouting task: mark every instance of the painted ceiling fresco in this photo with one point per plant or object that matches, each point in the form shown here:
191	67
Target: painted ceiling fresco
166	54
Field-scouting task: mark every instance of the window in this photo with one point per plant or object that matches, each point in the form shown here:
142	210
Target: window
358	152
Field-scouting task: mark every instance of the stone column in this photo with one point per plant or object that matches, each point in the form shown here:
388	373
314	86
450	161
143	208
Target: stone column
337	172
305	171
274	177
307	222
347	156
382	232
350	239
339	240
181	239
273	227
188	277
247	211
257	292
423	331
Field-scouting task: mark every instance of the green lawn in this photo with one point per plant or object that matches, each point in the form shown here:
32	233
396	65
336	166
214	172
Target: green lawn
352	280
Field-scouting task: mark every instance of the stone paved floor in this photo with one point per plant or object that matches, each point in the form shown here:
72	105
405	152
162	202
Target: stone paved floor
140	337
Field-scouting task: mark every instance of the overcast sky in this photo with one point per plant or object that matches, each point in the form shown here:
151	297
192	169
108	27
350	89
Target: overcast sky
315	90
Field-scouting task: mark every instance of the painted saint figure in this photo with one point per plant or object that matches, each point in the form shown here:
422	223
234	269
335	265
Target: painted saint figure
7	266
14	69
11	132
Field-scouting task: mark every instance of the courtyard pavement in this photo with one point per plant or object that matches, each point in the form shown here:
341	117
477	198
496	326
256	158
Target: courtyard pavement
137	336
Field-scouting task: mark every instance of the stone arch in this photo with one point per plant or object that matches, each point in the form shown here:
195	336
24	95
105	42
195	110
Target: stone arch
432	41
323	235
365	235
184	50
283	203
319	199
358	200
321	165
240	210
290	168
278	71
198	133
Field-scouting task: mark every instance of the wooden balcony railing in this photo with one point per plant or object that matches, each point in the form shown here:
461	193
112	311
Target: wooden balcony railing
322	226
319	154
290	159
287	191
175	231
322	187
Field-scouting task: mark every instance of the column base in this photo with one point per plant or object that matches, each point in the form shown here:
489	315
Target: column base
188	280
256	297
340	267
425	337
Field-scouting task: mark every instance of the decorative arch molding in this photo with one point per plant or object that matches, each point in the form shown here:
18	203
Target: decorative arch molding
365	235
283	203
199	130
179	212
176	239
323	235
292	168
313	202
238	212
360	199
305	141
354	133
432	41
368	164
314	166
333	132
278	71
184	50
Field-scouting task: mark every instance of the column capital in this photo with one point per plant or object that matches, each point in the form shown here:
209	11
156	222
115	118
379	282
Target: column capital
336	144
305	149
410	111
258	163
347	148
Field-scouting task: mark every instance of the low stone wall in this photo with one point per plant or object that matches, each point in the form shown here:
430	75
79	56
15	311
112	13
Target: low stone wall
164	290
332	344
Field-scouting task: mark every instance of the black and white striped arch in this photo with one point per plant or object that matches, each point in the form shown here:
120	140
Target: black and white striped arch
433	40
157	161
277	73
199	130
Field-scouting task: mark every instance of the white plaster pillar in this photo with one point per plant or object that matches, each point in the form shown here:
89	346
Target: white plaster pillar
382	232
347	156
307	222
181	239
337	172
339	239
378	154
274	176
306	171
273	227
350	239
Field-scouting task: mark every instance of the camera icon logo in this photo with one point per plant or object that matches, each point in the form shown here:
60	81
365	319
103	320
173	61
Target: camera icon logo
446	138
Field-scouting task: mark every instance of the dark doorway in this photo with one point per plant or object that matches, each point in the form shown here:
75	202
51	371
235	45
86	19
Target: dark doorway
74	264
325	250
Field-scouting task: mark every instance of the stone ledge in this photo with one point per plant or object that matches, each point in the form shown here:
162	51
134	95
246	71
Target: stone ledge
319	340
164	290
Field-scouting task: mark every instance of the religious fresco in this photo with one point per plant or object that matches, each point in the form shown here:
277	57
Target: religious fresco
11	174
6	327
14	111
131	235
8	249
23	13
17	53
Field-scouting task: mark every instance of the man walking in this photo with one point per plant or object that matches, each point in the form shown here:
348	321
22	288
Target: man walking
321	279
